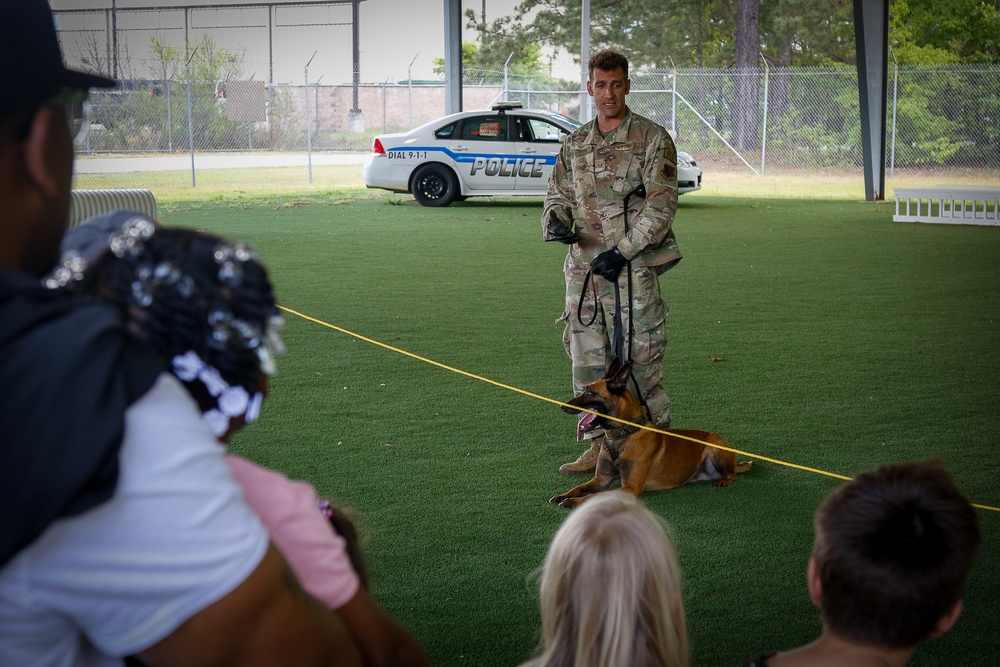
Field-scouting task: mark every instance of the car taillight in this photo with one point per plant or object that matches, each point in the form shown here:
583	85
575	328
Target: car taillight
377	148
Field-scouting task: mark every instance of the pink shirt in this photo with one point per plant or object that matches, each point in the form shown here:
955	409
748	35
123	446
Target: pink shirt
298	528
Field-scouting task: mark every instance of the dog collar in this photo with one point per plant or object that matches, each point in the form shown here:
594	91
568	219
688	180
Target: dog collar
627	429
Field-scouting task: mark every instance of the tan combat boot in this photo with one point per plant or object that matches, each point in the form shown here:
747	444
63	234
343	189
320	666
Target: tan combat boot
587	462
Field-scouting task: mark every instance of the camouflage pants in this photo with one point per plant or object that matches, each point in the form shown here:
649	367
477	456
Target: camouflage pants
589	347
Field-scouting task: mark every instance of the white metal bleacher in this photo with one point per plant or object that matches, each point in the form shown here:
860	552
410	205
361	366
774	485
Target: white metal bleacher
85	204
956	204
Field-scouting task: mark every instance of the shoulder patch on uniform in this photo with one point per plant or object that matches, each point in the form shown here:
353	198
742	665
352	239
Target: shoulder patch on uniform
669	170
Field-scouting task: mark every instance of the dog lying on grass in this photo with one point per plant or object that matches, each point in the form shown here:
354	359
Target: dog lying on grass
643	460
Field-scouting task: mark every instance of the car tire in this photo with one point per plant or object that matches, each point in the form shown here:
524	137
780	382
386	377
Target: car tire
434	185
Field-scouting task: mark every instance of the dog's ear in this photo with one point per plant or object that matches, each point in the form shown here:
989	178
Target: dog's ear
618	375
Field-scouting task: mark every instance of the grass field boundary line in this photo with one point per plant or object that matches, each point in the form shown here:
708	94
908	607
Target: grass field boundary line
518	390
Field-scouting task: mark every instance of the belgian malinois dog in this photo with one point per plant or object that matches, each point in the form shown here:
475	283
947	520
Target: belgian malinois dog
643	460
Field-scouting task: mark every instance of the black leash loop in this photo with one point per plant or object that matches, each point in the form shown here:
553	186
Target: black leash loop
583	293
617	339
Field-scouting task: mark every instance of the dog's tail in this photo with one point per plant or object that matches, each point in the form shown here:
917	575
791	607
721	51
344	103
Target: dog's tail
743	466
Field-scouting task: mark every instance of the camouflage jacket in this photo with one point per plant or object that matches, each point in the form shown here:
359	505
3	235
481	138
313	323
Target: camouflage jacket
587	191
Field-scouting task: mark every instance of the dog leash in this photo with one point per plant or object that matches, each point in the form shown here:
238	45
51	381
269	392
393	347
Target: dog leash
617	339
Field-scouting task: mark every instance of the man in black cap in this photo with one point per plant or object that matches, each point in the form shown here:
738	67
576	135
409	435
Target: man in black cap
124	532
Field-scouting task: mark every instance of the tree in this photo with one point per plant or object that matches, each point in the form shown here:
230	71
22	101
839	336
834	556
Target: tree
502	39
747	48
166	59
969	29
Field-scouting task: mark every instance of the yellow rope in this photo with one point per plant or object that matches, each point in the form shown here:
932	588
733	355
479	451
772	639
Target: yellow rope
518	390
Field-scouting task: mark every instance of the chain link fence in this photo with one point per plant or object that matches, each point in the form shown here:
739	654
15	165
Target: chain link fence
755	120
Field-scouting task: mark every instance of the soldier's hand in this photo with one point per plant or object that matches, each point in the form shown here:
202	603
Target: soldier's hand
558	231
608	264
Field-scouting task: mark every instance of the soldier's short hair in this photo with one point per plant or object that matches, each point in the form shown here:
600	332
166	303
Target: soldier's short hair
607	61
894	548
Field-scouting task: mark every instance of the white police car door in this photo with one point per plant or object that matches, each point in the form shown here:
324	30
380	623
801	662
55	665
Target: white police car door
483	152
537	143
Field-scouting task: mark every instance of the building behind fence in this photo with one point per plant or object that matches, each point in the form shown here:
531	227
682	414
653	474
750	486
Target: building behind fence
944	117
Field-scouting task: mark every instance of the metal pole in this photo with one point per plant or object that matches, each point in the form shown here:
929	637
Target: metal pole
114	39
270	44
384	84
584	59
170	124
673	96
763	135
86	119
187	66
317	103
356	40
409	85
505	75
895	80
308	121
107	37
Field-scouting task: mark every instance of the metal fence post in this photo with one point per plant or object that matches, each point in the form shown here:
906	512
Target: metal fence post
308	121
170	124
505	86
409	85
673	96
763	133
384	84
316	86
895	79
187	66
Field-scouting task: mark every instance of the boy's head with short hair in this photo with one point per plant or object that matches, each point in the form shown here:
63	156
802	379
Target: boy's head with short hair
893	550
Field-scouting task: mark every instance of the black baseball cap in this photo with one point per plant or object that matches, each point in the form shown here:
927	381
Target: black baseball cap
31	64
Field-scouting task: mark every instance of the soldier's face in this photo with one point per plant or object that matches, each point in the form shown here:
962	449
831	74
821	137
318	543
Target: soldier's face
609	90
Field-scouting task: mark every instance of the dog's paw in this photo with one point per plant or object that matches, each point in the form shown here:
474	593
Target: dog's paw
557	500
570	503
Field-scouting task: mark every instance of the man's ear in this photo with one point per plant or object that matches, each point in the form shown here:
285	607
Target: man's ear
590	89
945	623
40	155
815	586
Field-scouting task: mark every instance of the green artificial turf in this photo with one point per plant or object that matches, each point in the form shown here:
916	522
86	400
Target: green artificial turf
841	340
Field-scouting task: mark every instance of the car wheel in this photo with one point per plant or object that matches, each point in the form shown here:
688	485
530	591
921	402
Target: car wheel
435	185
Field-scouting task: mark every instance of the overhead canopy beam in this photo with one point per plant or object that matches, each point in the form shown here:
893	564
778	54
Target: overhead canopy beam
871	32
452	56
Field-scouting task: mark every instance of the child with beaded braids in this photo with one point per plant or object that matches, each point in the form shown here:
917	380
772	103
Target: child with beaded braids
206	305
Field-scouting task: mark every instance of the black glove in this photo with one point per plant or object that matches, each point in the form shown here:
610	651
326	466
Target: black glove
608	264
558	231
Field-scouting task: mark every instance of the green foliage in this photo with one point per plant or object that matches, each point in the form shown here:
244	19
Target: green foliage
931	135
152	114
702	33
807	32
498	41
961	31
469	58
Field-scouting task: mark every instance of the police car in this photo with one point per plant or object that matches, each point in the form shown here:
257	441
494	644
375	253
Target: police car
504	151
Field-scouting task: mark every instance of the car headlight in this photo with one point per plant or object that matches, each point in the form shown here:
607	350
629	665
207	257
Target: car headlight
685	160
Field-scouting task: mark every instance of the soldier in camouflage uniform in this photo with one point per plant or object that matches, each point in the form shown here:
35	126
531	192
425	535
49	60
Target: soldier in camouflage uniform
598	167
